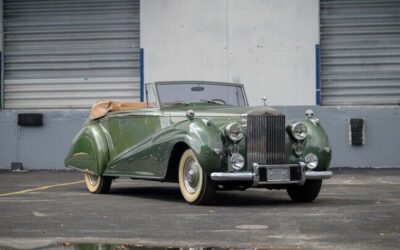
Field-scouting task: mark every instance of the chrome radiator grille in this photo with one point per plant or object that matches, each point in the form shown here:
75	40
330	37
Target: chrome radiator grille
266	139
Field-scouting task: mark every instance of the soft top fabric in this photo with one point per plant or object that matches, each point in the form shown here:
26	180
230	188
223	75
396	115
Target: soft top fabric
102	107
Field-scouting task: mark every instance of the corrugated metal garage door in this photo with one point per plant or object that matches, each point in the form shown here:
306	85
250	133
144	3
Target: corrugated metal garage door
69	53
360	52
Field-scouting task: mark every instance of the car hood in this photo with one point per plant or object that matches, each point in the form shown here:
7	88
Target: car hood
222	114
222	111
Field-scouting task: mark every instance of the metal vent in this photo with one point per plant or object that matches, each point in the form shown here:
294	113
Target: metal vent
70	53
360	52
266	139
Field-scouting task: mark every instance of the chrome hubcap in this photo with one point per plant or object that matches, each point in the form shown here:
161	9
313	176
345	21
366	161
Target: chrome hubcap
93	179
191	175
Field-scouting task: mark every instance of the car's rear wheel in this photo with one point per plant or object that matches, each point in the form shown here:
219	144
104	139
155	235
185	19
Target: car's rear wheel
98	184
196	187
305	193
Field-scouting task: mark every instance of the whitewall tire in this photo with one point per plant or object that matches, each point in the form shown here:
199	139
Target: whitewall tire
196	187
97	184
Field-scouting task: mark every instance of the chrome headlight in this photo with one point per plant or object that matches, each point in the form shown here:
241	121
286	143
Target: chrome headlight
299	131
311	161
234	132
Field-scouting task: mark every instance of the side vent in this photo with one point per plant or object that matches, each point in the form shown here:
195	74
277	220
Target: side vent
357	131
30	119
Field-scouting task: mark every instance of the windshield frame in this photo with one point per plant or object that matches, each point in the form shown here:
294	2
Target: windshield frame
161	106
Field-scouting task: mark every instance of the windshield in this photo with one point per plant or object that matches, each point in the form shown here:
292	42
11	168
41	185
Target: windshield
185	93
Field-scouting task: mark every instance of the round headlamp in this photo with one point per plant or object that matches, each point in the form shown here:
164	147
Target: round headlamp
237	161
299	131
234	131
311	161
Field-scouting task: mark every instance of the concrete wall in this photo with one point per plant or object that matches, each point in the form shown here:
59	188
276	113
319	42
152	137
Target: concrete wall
38	147
45	147
267	45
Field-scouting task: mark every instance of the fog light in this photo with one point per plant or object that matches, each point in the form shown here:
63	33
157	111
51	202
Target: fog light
298	148
311	161
237	161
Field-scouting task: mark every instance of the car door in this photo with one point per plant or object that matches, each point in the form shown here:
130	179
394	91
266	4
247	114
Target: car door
129	137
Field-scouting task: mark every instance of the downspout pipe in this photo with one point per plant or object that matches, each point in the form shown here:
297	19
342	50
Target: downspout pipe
317	75
142	75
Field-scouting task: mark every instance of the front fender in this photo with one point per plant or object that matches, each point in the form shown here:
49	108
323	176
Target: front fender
89	151
317	142
204	138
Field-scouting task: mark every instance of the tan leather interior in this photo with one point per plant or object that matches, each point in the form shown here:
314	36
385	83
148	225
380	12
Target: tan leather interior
101	108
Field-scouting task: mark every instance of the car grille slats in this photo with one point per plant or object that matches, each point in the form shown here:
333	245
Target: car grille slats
266	139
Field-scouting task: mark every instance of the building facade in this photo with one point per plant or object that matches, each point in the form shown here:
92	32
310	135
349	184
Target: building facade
339	58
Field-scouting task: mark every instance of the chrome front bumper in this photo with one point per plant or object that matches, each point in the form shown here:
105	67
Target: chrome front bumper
254	176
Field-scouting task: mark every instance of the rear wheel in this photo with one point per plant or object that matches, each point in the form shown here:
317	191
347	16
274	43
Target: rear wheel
98	184
306	193
196	187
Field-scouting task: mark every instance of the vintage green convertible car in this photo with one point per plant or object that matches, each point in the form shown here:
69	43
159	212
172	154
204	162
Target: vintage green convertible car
204	136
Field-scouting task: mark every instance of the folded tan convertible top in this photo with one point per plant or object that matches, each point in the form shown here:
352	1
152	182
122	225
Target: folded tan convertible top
101	108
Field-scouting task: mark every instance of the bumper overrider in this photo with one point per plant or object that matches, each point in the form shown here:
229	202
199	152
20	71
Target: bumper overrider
273	174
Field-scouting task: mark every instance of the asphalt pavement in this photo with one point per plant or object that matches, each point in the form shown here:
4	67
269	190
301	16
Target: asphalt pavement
356	209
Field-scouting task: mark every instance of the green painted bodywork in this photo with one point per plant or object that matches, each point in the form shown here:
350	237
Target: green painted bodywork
316	143
89	151
139	143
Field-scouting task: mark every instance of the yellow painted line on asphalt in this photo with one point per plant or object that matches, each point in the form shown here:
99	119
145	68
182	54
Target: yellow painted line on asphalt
41	188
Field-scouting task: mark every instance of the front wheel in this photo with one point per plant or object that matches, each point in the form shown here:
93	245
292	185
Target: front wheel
98	184
196	187
306	193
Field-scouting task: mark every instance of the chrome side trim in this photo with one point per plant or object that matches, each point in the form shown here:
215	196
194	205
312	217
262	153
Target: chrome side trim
81	170
140	177
318	175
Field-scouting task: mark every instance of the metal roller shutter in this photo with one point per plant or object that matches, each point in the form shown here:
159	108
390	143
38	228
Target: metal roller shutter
360	52
70	53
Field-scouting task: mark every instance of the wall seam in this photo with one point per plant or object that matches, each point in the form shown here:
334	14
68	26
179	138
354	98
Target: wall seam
1	55
227	38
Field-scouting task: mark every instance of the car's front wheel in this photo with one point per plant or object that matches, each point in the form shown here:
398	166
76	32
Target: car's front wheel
98	184
196	187
305	193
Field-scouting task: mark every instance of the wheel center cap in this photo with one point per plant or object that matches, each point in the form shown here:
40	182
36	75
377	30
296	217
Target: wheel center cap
191	175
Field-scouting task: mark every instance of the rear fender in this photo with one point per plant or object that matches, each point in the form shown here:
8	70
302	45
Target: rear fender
89	151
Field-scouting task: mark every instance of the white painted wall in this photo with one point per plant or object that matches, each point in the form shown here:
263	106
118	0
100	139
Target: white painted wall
269	45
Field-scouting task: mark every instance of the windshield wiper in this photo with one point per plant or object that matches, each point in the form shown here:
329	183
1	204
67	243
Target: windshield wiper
175	103
216	101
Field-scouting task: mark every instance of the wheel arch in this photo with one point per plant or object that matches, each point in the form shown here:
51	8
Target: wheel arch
173	161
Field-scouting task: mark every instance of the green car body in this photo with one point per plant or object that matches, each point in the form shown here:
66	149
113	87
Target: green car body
148	143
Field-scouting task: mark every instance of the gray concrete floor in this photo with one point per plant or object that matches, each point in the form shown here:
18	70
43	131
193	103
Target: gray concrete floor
355	209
